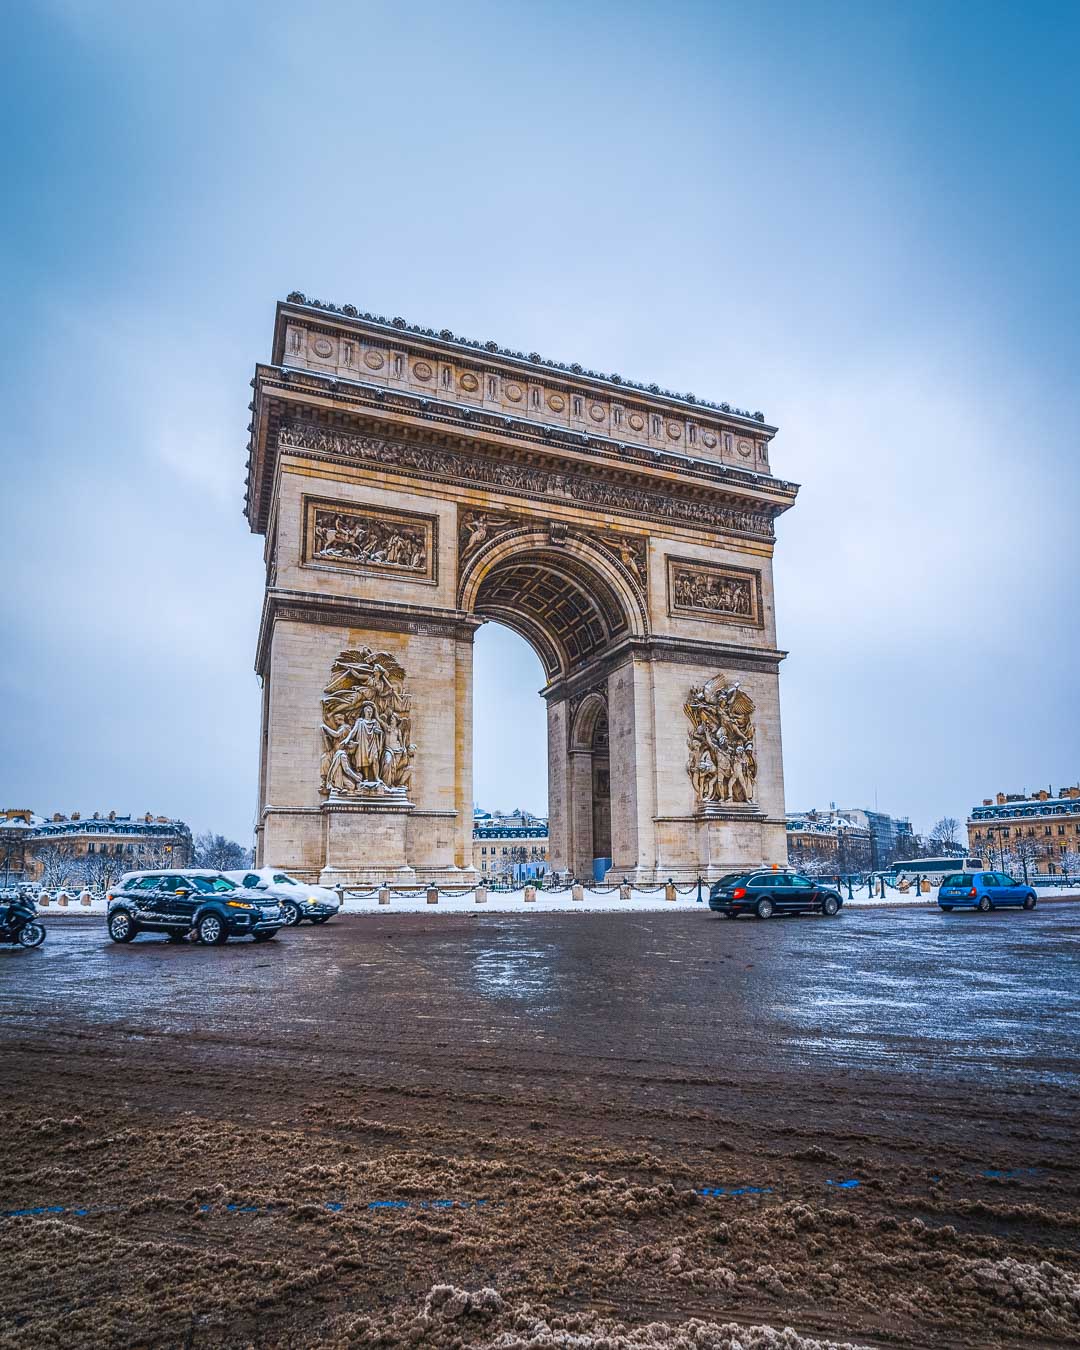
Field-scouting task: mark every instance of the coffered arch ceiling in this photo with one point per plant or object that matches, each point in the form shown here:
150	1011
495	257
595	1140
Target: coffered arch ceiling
563	606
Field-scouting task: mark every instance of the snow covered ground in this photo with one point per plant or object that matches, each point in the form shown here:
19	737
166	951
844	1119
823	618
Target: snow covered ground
502	902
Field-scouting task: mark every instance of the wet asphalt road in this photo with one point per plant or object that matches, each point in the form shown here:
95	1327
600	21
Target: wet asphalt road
586	1074
889	991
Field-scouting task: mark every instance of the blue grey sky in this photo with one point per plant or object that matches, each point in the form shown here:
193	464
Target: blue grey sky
860	218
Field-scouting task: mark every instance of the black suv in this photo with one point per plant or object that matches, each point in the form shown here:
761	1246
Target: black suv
769	893
177	903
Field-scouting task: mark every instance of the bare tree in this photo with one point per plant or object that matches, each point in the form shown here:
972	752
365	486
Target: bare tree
945	836
221	854
104	869
817	865
57	863
1020	857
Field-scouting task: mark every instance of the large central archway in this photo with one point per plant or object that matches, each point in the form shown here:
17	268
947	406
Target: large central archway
570	600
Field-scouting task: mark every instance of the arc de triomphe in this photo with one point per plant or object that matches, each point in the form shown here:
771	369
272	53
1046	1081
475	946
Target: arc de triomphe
412	484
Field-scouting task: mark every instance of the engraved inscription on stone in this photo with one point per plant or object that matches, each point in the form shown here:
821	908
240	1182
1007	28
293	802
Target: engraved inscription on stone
705	591
388	541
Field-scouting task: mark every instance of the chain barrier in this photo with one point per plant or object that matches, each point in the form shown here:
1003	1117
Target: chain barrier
601	889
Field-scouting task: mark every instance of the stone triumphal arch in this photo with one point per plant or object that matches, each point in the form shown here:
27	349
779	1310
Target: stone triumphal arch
412	485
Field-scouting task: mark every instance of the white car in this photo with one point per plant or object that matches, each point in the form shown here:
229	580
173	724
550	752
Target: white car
297	899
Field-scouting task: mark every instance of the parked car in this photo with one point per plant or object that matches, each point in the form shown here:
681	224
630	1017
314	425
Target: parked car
985	891
769	893
298	899
177	903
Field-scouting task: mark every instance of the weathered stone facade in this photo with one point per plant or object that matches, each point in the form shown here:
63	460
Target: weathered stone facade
412	485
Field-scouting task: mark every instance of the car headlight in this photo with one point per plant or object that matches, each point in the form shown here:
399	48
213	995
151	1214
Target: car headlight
311	900
239	904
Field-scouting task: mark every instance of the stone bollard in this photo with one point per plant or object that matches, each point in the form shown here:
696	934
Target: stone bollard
624	891
578	892
84	899
481	895
384	895
669	891
433	895
43	903
530	894
61	899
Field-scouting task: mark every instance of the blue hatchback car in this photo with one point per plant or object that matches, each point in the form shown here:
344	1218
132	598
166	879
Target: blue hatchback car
984	890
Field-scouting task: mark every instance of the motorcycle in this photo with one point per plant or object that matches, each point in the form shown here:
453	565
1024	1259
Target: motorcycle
19	925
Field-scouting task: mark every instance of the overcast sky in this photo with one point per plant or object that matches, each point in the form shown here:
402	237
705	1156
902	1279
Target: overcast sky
860	218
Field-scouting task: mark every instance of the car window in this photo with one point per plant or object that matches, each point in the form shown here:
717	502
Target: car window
780	881
177	884
988	879
801	881
958	879
251	879
1003	880
214	885
281	879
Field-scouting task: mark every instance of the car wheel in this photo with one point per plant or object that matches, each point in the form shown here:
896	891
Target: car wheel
211	930
984	904
263	937
1030	902
121	928
764	908
176	937
830	906
290	913
31	935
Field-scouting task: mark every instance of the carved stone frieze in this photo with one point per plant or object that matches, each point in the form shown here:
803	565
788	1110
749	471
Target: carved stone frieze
702	590
631	550
722	765
477	528
337	534
469	468
366	728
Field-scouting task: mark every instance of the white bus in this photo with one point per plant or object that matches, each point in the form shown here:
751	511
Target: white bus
933	869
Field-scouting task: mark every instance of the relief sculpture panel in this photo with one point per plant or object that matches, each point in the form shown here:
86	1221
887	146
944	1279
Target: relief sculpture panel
474	468
722	765
366	727
340	536
710	591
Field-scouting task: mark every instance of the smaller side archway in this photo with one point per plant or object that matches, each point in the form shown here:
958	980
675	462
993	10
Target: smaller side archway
589	782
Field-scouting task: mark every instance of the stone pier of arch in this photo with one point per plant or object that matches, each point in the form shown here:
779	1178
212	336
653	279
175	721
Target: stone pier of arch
412	486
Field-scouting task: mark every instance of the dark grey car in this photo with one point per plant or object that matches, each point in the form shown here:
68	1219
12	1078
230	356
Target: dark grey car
178	902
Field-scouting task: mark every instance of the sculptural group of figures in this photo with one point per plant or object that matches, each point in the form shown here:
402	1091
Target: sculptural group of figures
722	765
727	595
360	540
366	726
